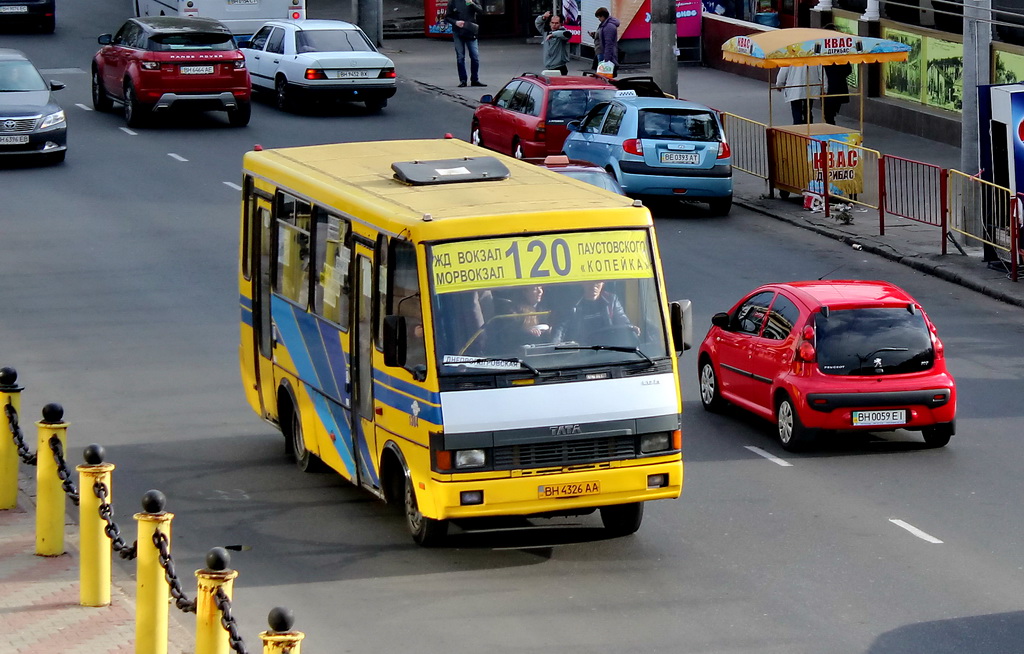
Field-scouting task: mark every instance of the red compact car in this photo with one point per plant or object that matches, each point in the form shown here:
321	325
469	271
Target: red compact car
162	63
819	356
528	116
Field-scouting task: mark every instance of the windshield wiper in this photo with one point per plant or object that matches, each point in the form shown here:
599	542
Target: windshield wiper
612	348
536	373
864	358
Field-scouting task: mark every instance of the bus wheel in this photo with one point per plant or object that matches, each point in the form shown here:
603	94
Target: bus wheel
622	519
305	460
425	531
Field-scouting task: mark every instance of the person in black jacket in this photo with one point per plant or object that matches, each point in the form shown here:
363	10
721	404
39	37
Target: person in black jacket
592	315
463	15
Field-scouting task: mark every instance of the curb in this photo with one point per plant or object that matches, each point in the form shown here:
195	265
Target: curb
935	270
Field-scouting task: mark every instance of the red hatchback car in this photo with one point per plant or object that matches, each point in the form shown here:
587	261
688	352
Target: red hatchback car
820	356
160	63
528	116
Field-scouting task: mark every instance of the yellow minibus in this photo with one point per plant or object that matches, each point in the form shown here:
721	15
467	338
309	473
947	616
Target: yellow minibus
460	333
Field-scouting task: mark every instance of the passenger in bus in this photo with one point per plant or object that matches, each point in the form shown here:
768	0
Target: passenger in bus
596	311
521	320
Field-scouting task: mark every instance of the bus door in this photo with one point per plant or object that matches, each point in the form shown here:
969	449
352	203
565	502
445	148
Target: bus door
362	367
263	328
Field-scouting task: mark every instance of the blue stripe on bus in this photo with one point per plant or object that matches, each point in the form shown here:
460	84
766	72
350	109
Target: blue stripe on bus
291	338
313	340
335	419
246	302
336	357
404	403
421	393
368	473
247	316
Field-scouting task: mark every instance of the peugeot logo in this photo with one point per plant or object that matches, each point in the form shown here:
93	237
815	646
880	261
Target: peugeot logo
878	362
10	124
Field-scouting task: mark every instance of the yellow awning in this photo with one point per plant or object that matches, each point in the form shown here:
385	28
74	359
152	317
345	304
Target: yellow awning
802	46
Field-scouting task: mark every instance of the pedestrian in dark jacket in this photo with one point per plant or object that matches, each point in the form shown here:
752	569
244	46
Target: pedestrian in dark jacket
606	40
556	42
463	16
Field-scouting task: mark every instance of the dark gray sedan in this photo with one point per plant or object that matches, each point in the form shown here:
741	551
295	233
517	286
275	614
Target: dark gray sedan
31	122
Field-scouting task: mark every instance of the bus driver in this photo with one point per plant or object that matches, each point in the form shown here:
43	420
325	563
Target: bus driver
596	310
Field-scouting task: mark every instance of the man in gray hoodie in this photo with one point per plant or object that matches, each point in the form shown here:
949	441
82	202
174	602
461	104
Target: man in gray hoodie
556	42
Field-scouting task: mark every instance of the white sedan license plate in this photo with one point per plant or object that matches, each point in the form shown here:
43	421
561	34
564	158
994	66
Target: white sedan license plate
680	157
243	2
14	140
196	70
875	418
14	9
353	73
552	491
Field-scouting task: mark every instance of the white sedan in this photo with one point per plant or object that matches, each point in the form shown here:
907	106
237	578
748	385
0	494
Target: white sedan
306	58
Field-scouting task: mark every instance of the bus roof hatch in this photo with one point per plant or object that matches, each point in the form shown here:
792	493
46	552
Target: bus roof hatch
450	171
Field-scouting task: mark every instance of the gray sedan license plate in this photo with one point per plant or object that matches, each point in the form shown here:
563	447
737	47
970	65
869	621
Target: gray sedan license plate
196	70
14	140
680	157
887	417
552	491
14	9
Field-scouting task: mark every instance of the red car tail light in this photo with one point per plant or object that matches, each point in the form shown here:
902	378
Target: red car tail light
724	151
540	131
633	146
315	73
239	63
940	349
387	73
806	352
150	65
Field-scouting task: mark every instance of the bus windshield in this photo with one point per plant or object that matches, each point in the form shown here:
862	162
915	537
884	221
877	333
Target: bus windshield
545	302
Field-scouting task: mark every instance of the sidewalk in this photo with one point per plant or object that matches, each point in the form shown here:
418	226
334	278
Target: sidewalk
39	610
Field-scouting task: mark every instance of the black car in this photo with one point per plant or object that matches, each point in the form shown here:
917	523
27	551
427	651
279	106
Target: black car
32	13
30	121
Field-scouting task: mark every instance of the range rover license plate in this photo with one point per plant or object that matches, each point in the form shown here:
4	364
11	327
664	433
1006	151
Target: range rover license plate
196	70
553	491
875	418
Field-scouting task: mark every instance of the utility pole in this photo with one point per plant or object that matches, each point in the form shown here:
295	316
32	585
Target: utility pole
370	17
977	70
664	66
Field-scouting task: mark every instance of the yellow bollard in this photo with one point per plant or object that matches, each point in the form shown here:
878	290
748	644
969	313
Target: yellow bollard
50	503
211	636
94	565
10	395
280	638
152	593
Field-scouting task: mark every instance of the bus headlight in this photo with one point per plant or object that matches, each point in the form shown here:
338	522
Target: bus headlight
655	442
470	458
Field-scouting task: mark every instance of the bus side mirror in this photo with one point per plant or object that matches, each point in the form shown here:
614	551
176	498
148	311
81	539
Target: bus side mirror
681	314
395	345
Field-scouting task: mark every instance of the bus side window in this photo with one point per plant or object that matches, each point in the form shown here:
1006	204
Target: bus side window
333	259
293	248
404	300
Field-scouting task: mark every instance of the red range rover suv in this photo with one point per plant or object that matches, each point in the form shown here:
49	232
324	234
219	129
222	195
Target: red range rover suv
162	63
819	356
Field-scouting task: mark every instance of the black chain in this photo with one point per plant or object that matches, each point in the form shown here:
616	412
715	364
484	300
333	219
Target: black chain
226	619
167	563
19	439
112	530
62	469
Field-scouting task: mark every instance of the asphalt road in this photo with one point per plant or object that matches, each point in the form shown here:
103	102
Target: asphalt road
119	301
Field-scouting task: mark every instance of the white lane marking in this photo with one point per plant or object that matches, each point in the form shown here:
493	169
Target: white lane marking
233	185
768	455
914	530
128	131
82	106
176	156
